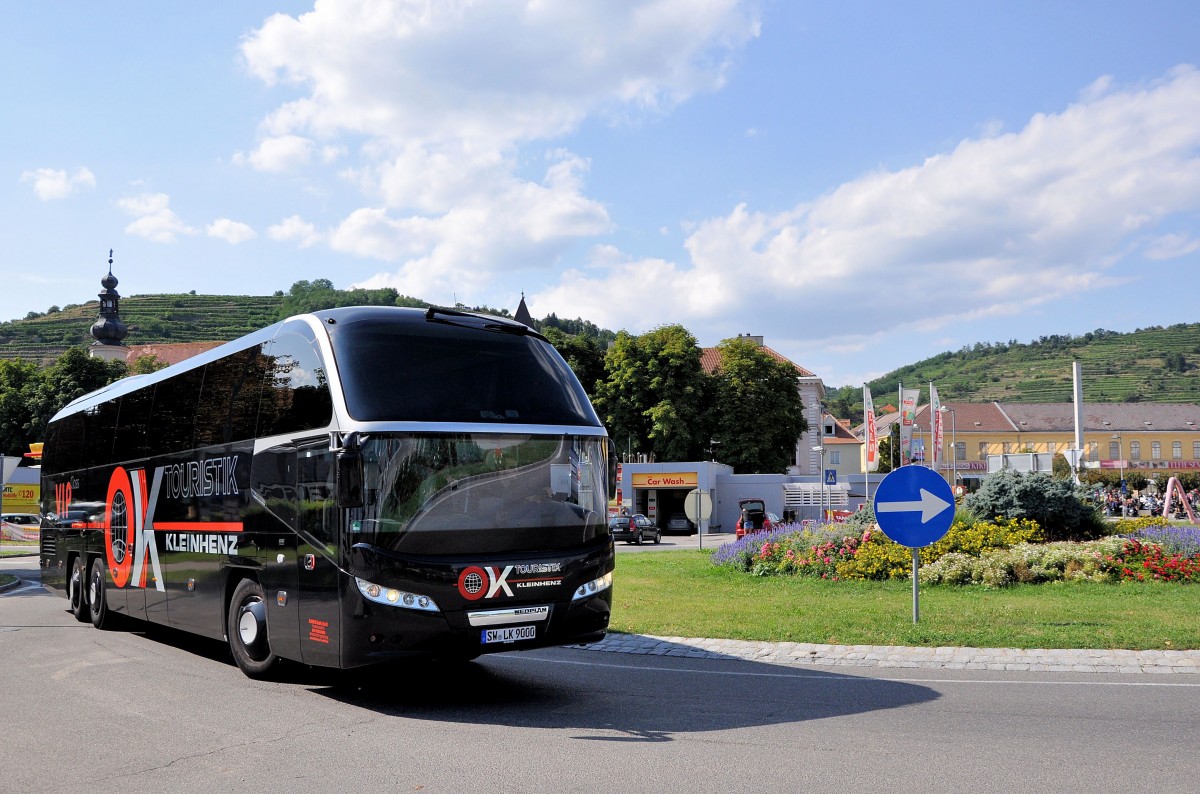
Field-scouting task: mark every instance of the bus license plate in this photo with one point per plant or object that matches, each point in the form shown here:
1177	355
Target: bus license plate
509	634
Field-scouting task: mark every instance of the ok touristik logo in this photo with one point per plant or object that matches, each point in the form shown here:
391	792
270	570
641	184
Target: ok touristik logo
479	582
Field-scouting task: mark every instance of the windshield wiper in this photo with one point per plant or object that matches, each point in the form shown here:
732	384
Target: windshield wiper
483	322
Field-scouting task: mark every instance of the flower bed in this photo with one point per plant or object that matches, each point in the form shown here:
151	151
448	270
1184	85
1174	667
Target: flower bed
988	553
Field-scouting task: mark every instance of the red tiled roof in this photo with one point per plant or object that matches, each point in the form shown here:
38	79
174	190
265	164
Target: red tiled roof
710	360
171	353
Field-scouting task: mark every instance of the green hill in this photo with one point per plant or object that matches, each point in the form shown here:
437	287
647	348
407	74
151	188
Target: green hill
1150	364
151	319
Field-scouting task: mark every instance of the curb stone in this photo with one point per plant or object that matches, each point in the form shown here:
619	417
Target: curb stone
793	654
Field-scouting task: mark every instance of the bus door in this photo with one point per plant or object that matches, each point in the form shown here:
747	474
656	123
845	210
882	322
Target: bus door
317	555
270	526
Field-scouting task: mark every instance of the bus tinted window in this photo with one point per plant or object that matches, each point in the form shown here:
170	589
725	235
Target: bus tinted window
228	405
65	445
295	394
132	423
442	372
101	424
174	414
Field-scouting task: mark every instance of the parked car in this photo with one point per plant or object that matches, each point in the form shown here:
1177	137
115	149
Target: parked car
678	522
752	518
24	519
633	529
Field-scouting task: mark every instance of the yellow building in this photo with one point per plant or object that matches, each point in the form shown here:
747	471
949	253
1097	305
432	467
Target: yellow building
1131	436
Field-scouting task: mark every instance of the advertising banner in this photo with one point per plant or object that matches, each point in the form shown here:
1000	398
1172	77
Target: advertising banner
870	434
908	415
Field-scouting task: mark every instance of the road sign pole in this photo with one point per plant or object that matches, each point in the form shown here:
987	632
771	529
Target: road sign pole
699	523
916	597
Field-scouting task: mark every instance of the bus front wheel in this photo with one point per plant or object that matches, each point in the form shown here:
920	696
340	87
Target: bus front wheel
76	585
246	628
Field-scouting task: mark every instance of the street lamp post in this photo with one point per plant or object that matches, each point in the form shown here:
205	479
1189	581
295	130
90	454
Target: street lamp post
821	450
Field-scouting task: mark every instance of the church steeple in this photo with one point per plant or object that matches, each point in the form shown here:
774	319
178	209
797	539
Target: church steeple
523	316
108	330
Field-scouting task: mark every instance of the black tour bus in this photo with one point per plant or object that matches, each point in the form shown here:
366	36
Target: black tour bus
341	488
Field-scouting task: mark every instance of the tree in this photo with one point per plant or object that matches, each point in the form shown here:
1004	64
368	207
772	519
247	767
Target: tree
889	455
17	379
582	353
72	375
757	410
654	394
144	365
1060	467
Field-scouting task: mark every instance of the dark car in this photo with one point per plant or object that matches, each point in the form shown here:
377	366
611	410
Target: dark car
633	529
753	517
678	522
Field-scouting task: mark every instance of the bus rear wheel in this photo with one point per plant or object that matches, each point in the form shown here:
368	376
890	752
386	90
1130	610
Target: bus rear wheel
76	585
246	628
96	596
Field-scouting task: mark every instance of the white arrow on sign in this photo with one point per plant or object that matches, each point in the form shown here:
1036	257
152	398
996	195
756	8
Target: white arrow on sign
929	505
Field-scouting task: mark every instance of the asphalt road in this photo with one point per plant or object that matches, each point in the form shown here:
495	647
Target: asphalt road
136	711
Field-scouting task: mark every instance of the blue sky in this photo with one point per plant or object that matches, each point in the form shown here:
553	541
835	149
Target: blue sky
863	184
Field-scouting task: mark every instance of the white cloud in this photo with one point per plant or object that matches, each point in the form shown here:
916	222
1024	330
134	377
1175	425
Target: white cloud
295	229
447	98
990	229
1172	246
282	153
50	184
232	232
155	220
505	71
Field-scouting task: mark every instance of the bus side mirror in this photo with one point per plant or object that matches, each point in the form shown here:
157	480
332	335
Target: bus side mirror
612	471
349	478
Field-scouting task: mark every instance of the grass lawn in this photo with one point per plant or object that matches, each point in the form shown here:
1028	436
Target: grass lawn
682	594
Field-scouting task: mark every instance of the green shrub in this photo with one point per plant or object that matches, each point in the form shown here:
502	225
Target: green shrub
1054	504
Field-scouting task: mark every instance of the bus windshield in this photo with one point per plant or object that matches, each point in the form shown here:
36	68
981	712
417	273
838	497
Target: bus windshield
481	493
450	372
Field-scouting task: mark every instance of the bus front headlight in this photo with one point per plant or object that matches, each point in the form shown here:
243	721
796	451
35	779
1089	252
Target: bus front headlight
593	587
394	597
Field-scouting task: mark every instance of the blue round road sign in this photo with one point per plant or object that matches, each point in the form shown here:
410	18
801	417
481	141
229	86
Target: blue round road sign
914	506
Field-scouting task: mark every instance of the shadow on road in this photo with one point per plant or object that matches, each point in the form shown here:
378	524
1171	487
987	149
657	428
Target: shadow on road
618	697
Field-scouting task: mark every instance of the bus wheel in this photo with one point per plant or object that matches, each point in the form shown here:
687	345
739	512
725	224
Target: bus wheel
246	627
75	588
97	600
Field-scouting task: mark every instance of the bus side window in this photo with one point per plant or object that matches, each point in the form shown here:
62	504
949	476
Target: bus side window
229	400
65	445
295	394
101	424
132	423
174	415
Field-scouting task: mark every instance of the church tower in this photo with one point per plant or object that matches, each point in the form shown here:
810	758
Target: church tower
523	315
108	330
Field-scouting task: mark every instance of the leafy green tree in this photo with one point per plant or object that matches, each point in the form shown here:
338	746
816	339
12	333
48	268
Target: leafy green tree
1054	504
582	353
654	394
1060	467
17	380
72	375
757	409
889	455
144	365
1136	480
313	296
